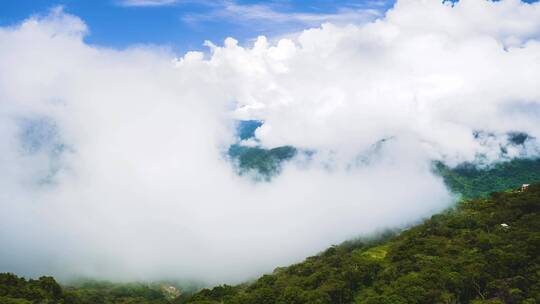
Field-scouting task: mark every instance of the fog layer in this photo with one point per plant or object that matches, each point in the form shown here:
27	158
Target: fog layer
113	161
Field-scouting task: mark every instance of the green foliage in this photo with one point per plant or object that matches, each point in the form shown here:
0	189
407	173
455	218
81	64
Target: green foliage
473	182
463	255
18	290
108	293
45	290
263	163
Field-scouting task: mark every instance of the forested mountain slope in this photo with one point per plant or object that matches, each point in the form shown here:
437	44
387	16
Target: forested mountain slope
473	182
483	251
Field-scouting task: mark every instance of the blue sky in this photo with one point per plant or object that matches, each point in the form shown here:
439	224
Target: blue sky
185	24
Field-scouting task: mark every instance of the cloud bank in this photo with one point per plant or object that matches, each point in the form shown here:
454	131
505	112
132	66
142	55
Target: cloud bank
113	161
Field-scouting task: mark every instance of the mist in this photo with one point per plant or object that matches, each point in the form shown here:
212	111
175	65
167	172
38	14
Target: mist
114	161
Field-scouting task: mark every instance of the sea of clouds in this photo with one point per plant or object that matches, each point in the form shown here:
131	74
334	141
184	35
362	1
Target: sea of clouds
113	162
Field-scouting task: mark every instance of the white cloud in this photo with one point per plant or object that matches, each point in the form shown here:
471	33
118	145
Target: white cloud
429	69
128	178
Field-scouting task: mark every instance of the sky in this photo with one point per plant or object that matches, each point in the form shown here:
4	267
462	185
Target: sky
184	25
113	150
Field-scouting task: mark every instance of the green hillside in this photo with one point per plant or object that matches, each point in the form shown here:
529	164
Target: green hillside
473	182
483	251
263	163
45	290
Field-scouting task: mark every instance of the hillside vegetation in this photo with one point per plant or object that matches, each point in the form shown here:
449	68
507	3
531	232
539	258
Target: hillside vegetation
45	290
483	251
472	182
261	163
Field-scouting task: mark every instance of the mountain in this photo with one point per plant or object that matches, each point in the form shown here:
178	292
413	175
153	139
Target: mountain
472	182
467	179
263	164
483	251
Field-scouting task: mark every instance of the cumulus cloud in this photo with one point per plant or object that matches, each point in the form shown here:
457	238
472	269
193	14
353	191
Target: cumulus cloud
438	72
113	161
